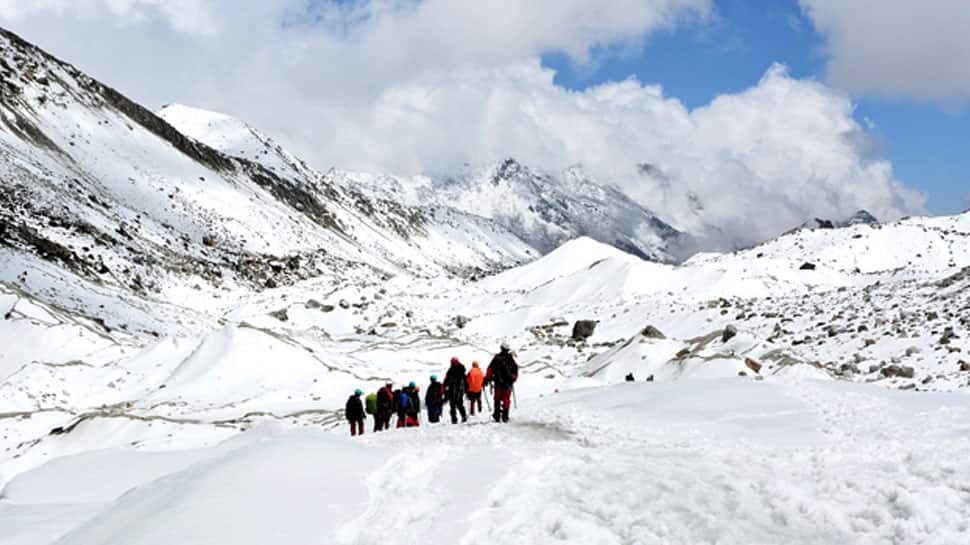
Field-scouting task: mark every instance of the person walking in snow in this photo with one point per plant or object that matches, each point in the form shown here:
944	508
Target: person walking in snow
502	372
413	412
354	412
454	388
474	387
385	400
400	404
434	399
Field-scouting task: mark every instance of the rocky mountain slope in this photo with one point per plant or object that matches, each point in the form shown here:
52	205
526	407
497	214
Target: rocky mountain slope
508	199
541	209
100	194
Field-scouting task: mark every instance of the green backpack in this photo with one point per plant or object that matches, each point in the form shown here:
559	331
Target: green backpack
370	403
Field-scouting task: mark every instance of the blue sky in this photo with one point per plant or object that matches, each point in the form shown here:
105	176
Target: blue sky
928	143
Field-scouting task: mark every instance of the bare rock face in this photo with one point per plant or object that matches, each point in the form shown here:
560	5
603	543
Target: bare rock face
729	333
807	267
583	329
651	332
461	321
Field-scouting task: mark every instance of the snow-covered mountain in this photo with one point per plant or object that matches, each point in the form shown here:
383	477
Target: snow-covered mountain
185	308
861	217
542	209
100	194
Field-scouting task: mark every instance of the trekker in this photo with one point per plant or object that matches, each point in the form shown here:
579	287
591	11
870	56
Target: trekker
385	401
354	412
474	386
400	404
413	411
455	390
434	399
502	372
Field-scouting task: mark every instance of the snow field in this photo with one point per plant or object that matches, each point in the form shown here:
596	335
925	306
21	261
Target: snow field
726	461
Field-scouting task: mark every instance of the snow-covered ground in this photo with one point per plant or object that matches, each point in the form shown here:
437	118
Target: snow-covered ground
728	461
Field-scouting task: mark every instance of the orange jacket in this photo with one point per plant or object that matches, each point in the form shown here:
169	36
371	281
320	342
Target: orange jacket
475	379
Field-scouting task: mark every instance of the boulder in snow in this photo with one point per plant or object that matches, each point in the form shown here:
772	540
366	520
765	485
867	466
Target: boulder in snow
652	332
753	365
583	329
898	371
729	333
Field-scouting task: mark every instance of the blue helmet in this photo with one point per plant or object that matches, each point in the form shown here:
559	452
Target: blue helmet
411	384
434	378
357	392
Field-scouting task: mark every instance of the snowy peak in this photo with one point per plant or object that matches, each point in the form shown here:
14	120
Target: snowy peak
861	217
542	209
234	137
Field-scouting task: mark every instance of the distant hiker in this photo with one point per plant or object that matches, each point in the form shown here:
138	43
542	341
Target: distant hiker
474	382
370	403
434	399
413	412
400	404
629	378
385	402
502	372
455	390
354	412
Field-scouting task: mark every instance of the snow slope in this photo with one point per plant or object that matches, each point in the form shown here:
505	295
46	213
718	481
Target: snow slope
727	461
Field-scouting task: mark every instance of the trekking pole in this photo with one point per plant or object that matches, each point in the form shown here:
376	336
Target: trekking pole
515	400
485	395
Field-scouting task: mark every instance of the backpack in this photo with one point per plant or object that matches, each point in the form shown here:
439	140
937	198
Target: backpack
403	400
370	403
504	370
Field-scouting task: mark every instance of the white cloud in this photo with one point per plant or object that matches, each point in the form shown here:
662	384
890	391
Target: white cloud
897	47
405	86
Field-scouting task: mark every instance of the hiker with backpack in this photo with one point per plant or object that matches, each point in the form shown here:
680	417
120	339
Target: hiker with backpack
474	387
454	389
502	372
385	402
434	400
354	412
401	403
413	410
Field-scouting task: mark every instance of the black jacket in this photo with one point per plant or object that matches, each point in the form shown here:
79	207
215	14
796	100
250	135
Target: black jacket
435	396
355	409
503	371
455	382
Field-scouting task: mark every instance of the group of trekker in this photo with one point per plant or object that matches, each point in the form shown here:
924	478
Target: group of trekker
405	402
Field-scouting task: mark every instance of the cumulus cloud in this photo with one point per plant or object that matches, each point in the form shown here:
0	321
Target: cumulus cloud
897	47
404	86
